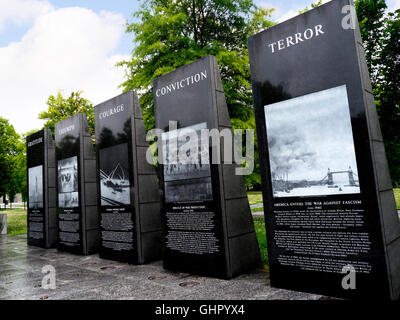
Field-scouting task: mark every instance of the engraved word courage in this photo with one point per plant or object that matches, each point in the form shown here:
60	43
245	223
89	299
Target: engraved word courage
111	111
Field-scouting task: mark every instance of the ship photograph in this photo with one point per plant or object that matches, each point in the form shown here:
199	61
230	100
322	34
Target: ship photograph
114	176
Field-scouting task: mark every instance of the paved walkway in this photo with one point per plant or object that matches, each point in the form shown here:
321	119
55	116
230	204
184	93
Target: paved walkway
89	277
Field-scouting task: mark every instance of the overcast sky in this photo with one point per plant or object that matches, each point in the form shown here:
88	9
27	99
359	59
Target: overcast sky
68	45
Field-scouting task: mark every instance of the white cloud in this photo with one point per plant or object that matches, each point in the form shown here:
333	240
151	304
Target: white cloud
265	4
67	49
280	13
283	11
288	15
394	5
22	11
292	13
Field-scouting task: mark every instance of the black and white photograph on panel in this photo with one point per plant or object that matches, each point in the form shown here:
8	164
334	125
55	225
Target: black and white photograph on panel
311	146
35	187
68	196
114	176
187	177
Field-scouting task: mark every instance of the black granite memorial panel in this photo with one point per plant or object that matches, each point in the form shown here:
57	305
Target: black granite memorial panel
323	165
76	187
40	155
200	234
122	165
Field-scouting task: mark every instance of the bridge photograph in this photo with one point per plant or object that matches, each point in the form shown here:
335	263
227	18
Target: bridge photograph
311	146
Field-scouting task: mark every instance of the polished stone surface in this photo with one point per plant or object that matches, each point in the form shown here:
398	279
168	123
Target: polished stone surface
201	101
73	139
283	74
92	278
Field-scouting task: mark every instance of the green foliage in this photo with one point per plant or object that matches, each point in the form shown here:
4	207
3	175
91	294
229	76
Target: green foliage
259	225
10	159
371	19
22	178
397	197
60	108
313	5
16	221
169	34
17	180
255	197
380	32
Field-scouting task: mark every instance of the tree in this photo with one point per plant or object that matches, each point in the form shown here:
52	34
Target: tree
22	178
313	5
9	150
169	34
380	32
17	179
60	108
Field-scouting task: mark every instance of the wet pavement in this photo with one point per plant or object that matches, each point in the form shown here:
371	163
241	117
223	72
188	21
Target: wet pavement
92	278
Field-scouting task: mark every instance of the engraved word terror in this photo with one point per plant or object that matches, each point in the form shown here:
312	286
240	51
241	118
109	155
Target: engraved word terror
111	111
186	82
296	38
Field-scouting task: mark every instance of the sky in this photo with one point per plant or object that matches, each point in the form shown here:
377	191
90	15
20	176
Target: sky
48	46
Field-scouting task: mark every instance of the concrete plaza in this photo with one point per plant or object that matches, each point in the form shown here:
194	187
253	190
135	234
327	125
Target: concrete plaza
92	278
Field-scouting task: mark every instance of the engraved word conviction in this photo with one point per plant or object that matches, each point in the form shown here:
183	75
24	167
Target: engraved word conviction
296	38
66	129
182	83
111	111
36	141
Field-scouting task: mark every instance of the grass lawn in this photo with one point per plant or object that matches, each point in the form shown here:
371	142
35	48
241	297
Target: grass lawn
16	221
397	197
255	197
262	240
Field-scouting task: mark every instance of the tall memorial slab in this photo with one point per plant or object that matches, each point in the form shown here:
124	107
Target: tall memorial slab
329	206
78	223
129	205
207	224
42	198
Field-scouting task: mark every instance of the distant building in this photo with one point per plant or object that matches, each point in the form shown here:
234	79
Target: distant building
17	198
